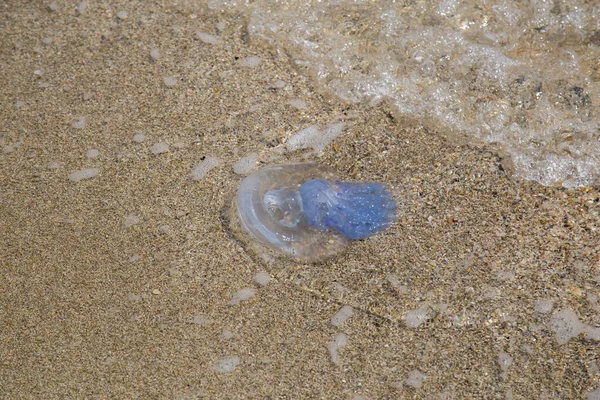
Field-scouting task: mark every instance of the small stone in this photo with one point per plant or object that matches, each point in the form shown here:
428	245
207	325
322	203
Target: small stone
156	292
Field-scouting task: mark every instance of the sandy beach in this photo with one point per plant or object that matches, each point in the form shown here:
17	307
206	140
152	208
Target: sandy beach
125	280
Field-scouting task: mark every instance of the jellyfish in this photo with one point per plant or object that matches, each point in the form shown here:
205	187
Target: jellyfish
304	211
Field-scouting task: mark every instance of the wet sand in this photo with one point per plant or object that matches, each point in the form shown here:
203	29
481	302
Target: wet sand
120	285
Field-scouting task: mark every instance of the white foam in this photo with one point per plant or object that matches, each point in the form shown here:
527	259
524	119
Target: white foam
79	123
505	361
508	75
297	103
170	81
342	315
245	164
226	365
242	295
543	306
203	168
155	54
226	334
315	138
82	7
164	228
415	318
208	38
595	395
159	148
92	153
566	325
335	345
200	320
84	174
139	137
131	220
415	379
251	62
262	278
393	280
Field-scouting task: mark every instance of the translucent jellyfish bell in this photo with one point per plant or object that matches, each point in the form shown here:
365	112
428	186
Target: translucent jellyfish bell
303	211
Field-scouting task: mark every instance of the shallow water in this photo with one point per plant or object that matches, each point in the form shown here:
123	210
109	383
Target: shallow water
523	76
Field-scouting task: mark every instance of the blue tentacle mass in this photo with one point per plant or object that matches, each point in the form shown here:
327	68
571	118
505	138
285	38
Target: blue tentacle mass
357	210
